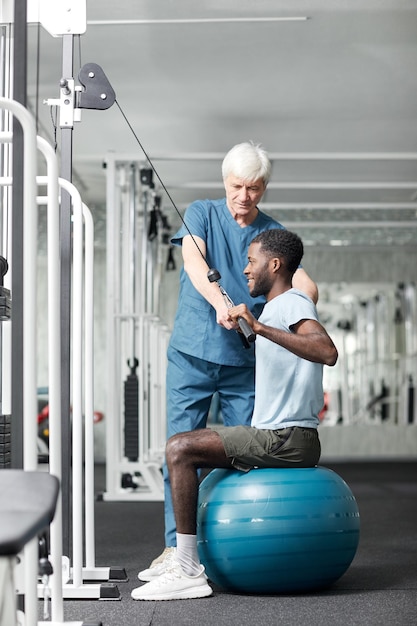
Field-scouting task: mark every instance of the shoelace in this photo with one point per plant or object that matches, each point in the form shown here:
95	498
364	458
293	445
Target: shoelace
172	572
167	560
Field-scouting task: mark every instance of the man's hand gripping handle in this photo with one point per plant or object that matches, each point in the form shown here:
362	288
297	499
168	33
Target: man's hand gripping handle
214	276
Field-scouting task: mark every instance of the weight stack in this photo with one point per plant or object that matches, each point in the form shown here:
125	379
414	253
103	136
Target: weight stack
131	431
5	441
5	304
410	401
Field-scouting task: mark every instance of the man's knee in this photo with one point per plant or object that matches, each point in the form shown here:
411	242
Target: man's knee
175	448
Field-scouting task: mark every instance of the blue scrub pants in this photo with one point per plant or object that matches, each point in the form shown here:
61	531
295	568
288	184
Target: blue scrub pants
191	383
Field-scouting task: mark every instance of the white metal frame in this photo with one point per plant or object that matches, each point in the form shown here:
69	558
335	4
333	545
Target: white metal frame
82	309
375	356
151	340
82	404
29	323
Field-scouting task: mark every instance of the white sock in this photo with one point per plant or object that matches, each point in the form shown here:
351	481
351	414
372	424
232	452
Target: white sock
187	554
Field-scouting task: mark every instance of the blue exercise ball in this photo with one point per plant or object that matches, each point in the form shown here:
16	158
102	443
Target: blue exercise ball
276	530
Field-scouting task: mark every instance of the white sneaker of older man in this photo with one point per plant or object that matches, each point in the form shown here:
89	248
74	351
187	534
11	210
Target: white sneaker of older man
158	566
174	584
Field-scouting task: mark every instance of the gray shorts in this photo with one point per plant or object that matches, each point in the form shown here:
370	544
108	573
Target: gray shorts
249	447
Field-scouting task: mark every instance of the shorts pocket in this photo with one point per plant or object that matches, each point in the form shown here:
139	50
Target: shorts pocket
280	438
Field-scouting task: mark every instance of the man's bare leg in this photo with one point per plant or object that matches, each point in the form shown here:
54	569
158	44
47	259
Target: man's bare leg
184	576
185	454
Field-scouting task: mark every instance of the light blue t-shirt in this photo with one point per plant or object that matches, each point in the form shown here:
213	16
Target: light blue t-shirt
195	330
288	389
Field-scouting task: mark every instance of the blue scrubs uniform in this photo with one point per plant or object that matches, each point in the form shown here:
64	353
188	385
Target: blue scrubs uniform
204	357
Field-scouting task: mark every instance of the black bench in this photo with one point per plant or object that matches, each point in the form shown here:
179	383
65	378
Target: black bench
27	507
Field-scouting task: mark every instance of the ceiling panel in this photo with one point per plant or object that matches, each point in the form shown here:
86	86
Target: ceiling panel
332	95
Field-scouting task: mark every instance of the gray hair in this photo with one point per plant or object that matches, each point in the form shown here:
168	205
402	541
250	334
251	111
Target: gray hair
247	161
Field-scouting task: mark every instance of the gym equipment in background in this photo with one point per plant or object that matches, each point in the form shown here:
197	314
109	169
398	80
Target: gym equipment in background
136	335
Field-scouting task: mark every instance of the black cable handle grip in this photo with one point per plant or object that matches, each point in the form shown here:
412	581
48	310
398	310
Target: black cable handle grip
214	276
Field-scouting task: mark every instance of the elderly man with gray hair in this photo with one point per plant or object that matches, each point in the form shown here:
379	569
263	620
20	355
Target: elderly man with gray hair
205	354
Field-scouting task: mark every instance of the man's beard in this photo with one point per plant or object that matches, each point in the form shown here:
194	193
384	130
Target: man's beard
261	287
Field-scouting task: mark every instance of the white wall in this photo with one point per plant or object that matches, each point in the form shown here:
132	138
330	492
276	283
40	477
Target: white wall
361	265
338	267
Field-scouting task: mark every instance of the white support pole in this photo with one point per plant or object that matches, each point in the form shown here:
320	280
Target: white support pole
77	378
29	325
89	388
113	445
54	368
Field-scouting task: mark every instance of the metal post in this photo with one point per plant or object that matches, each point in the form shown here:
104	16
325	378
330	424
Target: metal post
19	94
66	255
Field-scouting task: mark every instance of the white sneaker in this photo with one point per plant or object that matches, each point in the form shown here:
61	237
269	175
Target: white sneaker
161	557
158	565
174	584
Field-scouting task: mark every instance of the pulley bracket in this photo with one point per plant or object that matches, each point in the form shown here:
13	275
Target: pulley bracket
95	93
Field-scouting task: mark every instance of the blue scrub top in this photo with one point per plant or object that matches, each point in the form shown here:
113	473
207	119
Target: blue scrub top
196	331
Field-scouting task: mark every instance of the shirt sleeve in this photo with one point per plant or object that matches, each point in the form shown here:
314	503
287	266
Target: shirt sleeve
195	219
300	307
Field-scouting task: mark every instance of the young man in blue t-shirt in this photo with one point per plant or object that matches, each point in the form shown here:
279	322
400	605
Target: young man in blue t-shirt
291	348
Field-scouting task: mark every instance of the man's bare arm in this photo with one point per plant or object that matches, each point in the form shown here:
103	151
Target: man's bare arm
302	281
196	269
309	340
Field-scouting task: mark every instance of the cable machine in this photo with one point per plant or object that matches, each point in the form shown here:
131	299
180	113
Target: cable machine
68	221
380	366
137	339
